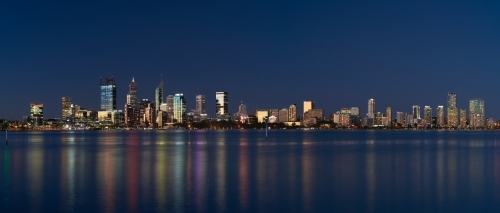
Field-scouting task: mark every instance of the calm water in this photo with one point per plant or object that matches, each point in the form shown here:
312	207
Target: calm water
238	171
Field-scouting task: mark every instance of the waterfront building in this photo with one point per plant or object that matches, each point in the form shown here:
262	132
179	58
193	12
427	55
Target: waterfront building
200	104
440	116
108	94
491	123
344	118
146	112
452	109
222	106
179	108
292	113
463	118
388	114
308	105
427	116
66	109
476	113
317	114
416	112
132	94
377	121
355	118
158	96
400	117
371	108
274	112
410	121
283	115
242	113
170	108
261	114
335	117
36	114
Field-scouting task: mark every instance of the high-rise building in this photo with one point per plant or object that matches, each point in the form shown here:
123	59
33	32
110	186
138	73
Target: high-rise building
146	113
132	94
344	118
440	116
283	115
388	115
427	115
158	96
179	108
416	112
108	94
66	109
261	114
400	117
463	118
132	115
452	109
36	114
170	108
371	108
221	103
308	105
292	113
200	104
476	113
377	120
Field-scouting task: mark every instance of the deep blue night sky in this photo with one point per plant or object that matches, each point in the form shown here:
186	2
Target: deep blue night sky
268	54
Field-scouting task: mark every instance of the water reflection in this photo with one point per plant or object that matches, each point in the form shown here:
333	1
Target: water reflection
239	171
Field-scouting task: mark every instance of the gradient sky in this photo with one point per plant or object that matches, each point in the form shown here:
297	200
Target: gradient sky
268	54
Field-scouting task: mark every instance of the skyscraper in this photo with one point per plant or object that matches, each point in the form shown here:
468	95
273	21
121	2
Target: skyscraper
108	94
36	114
371	108
179	108
66	109
200	104
158	96
283	115
170	108
463	118
427	115
476	113
221	103
388	115
132	94
452	109
400	117
292	113
308	105
440	116
416	112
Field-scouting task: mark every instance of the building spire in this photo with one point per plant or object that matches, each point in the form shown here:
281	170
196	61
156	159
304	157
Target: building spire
133	79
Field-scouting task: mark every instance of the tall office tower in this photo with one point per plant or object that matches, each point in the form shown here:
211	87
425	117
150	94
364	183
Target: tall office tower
452	109
132	94
440	116
292	113
371	108
146	111
170	108
355	118
283	115
388	115
108	94
416	112
476	113
410	121
463	118
179	108
308	105
200	104
158	96
400	117
66	108
242	109
377	121
221	103
36	114
132	115
427	115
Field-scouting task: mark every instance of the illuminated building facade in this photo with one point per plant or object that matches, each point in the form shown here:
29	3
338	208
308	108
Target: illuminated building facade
388	115
476	113
179	108
108	94
308	105
66	109
463	118
158	96
200	104
292	113
427	115
416	112
440	116
36	114
221	106
452	109
371	108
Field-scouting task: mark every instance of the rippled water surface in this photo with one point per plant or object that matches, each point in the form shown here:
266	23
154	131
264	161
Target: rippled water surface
239	171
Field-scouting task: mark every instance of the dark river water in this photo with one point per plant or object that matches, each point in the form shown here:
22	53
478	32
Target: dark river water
239	171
